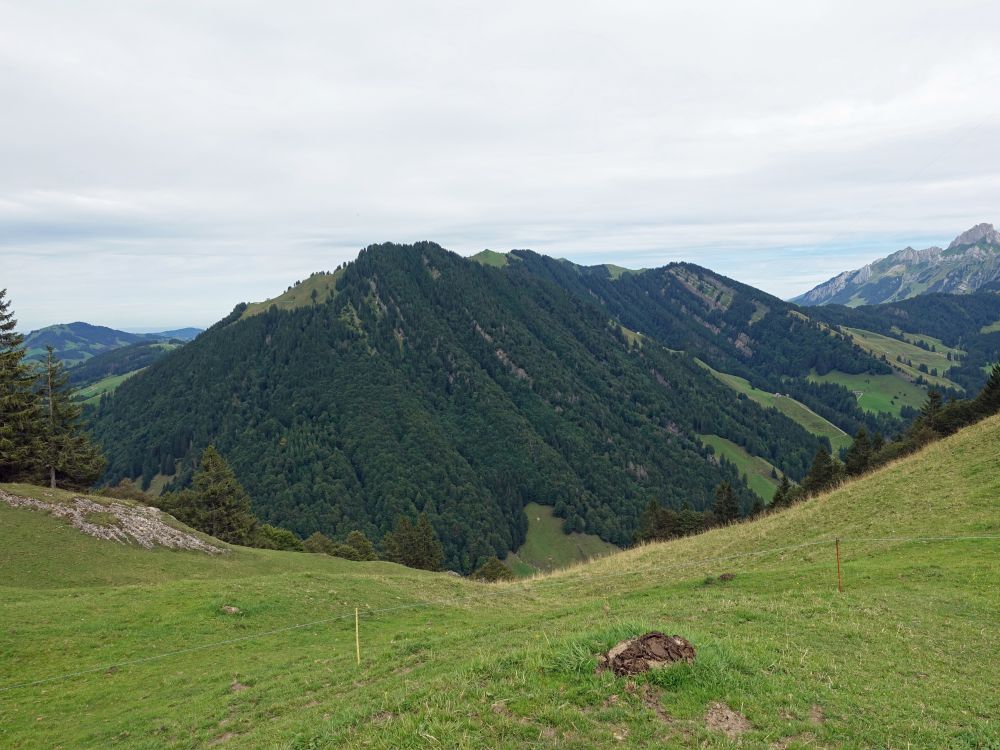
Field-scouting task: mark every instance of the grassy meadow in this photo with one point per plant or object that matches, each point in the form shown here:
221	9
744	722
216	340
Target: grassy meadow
879	345
756	469
547	547
794	410
92	393
901	658
887	394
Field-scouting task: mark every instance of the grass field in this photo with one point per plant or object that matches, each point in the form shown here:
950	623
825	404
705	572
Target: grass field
298	296
548	547
92	393
794	410
877	344
757	470
491	258
902	658
991	328
887	394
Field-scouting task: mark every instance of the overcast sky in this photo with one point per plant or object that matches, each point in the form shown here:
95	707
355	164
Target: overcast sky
162	161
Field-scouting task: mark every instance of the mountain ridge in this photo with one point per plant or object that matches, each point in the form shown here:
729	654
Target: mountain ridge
970	261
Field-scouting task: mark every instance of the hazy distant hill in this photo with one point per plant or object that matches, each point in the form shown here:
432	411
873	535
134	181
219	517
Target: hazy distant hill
75	343
970	262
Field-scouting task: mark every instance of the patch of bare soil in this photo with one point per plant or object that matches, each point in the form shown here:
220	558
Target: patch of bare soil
649	651
722	718
140	524
651	698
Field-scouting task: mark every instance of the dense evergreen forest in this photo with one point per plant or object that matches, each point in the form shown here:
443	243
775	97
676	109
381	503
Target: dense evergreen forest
428	383
733	327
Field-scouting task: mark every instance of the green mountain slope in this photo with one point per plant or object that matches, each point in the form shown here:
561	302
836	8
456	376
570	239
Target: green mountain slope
732	327
970	262
899	658
957	334
120	362
430	383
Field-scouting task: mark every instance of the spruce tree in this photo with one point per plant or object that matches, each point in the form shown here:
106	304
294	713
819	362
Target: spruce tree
414	545
431	553
19	409
727	506
67	453
220	506
931	411
859	456
824	473
783	495
987	403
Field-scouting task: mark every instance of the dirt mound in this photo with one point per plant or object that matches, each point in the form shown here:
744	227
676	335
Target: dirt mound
722	718
649	651
115	522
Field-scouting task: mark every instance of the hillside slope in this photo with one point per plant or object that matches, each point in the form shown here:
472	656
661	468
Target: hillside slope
736	329
897	659
425	382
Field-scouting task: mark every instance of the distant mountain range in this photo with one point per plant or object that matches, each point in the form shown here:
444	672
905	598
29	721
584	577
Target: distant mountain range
969	263
75	343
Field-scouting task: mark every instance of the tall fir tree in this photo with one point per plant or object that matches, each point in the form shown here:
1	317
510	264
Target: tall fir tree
783	495
824	473
858	458
216	504
987	403
67	454
727	506
930	413
414	545
20	424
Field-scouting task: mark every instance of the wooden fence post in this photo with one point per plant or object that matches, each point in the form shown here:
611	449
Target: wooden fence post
357	636
840	581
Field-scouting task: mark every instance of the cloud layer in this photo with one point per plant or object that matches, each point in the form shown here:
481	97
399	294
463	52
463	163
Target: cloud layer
163	161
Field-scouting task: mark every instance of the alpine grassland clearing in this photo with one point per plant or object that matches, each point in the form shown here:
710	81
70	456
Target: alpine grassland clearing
547	546
887	394
794	410
108	645
92	393
759	472
912	356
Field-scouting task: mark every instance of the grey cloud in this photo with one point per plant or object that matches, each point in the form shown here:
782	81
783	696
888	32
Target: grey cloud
162	162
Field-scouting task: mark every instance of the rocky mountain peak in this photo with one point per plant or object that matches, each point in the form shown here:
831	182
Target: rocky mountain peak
980	234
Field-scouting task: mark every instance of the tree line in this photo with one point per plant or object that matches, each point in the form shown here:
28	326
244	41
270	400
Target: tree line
42	436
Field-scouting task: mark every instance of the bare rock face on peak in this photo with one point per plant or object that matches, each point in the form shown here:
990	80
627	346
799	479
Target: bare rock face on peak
970	261
981	234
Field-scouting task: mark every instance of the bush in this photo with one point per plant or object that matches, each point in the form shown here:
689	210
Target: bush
493	570
267	536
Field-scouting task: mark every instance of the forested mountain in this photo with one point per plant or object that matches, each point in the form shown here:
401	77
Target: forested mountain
120	361
425	382
731	326
971	261
75	343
